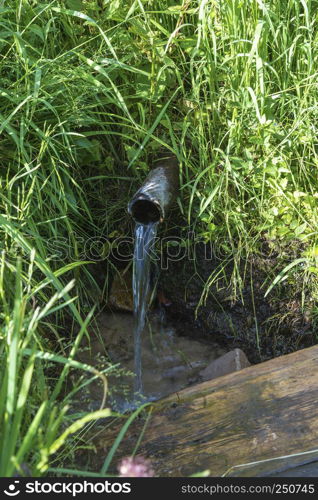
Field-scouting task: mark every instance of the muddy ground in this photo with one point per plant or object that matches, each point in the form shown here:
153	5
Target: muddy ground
263	327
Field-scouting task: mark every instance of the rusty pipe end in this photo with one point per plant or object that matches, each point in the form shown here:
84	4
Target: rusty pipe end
157	193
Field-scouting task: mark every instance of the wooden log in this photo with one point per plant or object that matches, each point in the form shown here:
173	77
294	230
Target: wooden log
260	413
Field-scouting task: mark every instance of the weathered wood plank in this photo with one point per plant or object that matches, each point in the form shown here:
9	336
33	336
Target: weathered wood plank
262	412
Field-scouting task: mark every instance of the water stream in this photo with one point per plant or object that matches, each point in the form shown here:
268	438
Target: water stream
144	241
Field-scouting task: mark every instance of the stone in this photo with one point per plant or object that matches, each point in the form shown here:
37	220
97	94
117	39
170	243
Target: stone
230	362
121	295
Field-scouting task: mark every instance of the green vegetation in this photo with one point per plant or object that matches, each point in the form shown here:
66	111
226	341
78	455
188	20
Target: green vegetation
89	92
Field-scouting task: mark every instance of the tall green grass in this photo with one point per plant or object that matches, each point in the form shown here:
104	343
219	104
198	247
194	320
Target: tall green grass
92	91
34	419
89	92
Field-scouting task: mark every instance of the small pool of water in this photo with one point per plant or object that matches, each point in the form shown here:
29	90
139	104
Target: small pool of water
169	362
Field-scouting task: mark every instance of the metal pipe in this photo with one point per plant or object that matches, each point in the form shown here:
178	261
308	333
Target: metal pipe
160	189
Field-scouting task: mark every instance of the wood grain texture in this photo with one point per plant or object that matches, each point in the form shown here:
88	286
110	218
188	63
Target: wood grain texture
261	412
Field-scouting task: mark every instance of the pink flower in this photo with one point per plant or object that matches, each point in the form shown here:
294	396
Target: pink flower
135	467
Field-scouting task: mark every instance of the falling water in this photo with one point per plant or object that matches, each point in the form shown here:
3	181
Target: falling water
144	240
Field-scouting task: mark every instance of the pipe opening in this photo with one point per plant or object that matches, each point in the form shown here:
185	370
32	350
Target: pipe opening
145	211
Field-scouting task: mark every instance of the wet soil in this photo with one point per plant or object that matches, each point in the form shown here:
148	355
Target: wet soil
237	314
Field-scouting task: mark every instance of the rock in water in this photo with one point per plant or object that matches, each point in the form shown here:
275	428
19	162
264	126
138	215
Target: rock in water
232	361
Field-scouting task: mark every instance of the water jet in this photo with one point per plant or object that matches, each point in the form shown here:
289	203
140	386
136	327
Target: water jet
148	207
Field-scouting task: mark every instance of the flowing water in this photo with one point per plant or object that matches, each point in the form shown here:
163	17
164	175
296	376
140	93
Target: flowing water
144	242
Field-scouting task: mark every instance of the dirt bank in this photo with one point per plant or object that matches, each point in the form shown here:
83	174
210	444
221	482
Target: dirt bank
234	313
